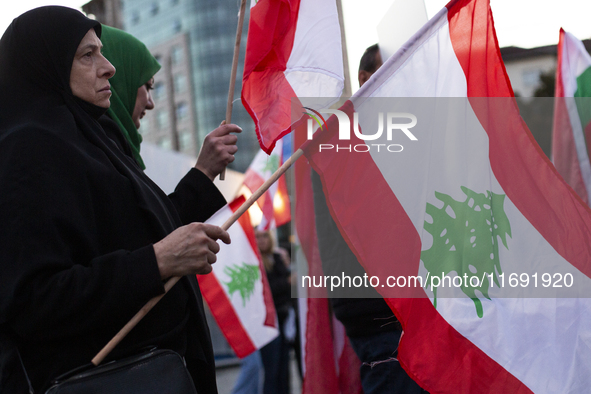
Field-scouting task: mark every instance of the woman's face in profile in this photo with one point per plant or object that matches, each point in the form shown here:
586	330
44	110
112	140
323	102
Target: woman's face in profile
143	102
91	71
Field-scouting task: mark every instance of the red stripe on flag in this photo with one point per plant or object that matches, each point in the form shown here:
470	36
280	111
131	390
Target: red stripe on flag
266	93
320	366
559	89
440	359
348	361
223	312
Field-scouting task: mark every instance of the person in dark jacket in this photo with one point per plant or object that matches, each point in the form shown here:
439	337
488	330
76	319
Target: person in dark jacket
275	355
87	238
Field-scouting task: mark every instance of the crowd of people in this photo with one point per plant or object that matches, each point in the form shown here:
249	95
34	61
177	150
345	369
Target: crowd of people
88	238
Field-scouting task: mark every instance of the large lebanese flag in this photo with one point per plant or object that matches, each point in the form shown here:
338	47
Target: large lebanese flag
428	209
570	134
293	50
237	291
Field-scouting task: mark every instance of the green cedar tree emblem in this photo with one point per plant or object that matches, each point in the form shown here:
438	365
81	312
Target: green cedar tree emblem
242	280
272	164
465	240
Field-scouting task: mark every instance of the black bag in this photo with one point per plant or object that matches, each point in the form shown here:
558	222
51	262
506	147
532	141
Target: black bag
152	372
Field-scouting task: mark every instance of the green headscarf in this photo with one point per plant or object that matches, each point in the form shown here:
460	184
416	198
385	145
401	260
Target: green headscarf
135	66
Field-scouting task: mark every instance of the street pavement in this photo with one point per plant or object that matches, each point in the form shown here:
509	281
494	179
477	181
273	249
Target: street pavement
227	375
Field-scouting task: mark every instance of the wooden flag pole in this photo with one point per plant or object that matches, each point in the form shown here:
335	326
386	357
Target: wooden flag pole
172	281
229	105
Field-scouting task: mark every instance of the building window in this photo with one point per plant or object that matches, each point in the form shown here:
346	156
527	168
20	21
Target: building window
165	143
176	55
162	119
158	91
182	111
154	9
180	83
185	141
135	17
177	26
531	78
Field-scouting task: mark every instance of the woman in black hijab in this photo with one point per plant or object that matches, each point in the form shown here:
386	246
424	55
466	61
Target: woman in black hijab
86	239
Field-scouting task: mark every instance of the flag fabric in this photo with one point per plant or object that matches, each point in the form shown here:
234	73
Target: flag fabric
293	50
329	363
237	291
570	134
274	203
404	213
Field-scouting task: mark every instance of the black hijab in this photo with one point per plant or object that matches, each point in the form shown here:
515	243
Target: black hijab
36	55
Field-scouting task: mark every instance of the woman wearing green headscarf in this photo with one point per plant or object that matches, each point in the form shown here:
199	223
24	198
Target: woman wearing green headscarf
195	198
131	98
135	67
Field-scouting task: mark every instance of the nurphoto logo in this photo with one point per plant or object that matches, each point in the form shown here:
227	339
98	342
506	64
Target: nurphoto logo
396	122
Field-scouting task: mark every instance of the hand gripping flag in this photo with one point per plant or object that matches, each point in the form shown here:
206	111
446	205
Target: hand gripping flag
293	50
274	203
471	197
237	291
570	134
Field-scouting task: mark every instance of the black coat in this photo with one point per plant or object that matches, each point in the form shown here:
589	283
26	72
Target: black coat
78	263
78	219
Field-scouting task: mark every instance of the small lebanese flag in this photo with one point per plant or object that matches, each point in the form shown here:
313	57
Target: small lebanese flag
293	50
237	291
472	196
274	203
572	128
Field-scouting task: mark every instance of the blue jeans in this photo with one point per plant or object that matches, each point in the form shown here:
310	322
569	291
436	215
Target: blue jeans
380	371
250	380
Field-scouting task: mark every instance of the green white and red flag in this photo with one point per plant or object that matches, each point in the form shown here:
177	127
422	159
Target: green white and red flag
237	291
572	121
293	50
274	203
473	195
